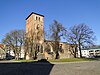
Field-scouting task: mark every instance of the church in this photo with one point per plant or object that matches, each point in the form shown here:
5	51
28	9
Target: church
35	30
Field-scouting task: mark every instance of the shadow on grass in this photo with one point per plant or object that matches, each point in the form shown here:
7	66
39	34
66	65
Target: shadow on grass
41	67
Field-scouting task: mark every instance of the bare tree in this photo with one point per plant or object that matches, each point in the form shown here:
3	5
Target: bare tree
29	44
32	42
15	40
8	42
21	40
56	32
80	35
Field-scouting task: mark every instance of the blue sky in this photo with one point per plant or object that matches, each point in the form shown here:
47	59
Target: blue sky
67	12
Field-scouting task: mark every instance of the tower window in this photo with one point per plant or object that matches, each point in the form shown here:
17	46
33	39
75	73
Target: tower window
39	18
37	26
36	17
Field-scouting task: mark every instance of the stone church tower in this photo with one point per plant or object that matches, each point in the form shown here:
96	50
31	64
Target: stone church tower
44	48
35	27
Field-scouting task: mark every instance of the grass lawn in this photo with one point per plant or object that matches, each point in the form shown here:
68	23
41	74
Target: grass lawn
73	59
26	60
63	60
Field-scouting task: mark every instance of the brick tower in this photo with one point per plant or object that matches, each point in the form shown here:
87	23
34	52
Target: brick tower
35	26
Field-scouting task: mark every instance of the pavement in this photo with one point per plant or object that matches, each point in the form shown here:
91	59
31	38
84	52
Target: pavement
77	68
47	68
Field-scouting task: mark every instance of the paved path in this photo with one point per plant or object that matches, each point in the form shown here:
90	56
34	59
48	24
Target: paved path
40	68
77	68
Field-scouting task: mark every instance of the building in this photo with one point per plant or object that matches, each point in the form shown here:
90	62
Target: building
35	31
35	25
7	53
91	52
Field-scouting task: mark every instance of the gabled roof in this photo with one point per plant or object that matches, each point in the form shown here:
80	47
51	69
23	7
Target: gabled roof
34	13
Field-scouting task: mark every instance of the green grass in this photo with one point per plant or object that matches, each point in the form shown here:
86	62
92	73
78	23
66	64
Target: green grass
64	60
26	60
73	60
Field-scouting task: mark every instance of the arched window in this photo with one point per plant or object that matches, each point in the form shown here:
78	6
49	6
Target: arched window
37	27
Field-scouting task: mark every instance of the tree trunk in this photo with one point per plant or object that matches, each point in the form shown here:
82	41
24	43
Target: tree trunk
31	54
25	55
35	55
80	51
75	52
57	50
57	55
20	50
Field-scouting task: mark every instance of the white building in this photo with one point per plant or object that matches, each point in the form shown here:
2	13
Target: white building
91	52
11	53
